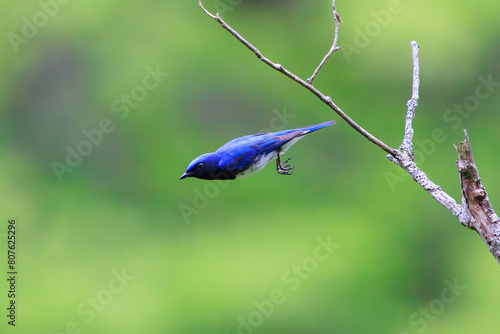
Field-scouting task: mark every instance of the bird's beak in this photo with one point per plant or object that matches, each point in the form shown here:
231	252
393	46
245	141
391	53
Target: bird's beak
186	174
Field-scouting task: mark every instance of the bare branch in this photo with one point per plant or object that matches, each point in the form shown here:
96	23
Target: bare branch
337	19
405	160
326	99
475	210
405	157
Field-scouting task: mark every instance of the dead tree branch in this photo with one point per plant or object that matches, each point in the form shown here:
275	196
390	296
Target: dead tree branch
475	212
478	212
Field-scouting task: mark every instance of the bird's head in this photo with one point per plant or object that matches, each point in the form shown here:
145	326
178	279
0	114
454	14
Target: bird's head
205	167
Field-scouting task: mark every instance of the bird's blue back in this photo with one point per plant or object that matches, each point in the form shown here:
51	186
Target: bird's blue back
239	152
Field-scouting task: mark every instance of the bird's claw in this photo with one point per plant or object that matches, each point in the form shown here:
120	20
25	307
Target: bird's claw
283	168
287	166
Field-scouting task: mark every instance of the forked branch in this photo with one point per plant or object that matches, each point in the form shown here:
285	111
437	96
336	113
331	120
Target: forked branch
326	99
337	19
475	212
405	157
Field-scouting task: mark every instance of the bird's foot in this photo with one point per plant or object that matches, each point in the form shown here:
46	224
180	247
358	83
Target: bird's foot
283	168
286	167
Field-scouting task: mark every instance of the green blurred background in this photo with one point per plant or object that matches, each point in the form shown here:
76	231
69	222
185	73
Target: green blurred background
117	244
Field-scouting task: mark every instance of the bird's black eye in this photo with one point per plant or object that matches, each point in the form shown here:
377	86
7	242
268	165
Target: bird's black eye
199	165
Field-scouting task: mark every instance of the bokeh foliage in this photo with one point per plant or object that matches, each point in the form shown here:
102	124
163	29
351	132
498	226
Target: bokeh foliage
120	207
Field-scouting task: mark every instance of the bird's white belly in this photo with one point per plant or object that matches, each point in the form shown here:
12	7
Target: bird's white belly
258	165
264	160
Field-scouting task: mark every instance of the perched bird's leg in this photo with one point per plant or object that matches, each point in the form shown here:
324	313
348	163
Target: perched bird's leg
283	169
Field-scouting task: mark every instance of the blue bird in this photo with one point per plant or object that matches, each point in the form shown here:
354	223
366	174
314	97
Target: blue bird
244	156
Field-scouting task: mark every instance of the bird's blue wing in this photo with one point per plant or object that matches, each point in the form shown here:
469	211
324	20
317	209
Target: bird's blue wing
240	153
278	139
236	160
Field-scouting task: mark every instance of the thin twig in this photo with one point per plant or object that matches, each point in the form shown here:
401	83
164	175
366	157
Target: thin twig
337	19
326	99
412	104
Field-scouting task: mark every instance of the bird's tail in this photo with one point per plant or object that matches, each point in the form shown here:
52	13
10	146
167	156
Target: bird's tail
315	127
